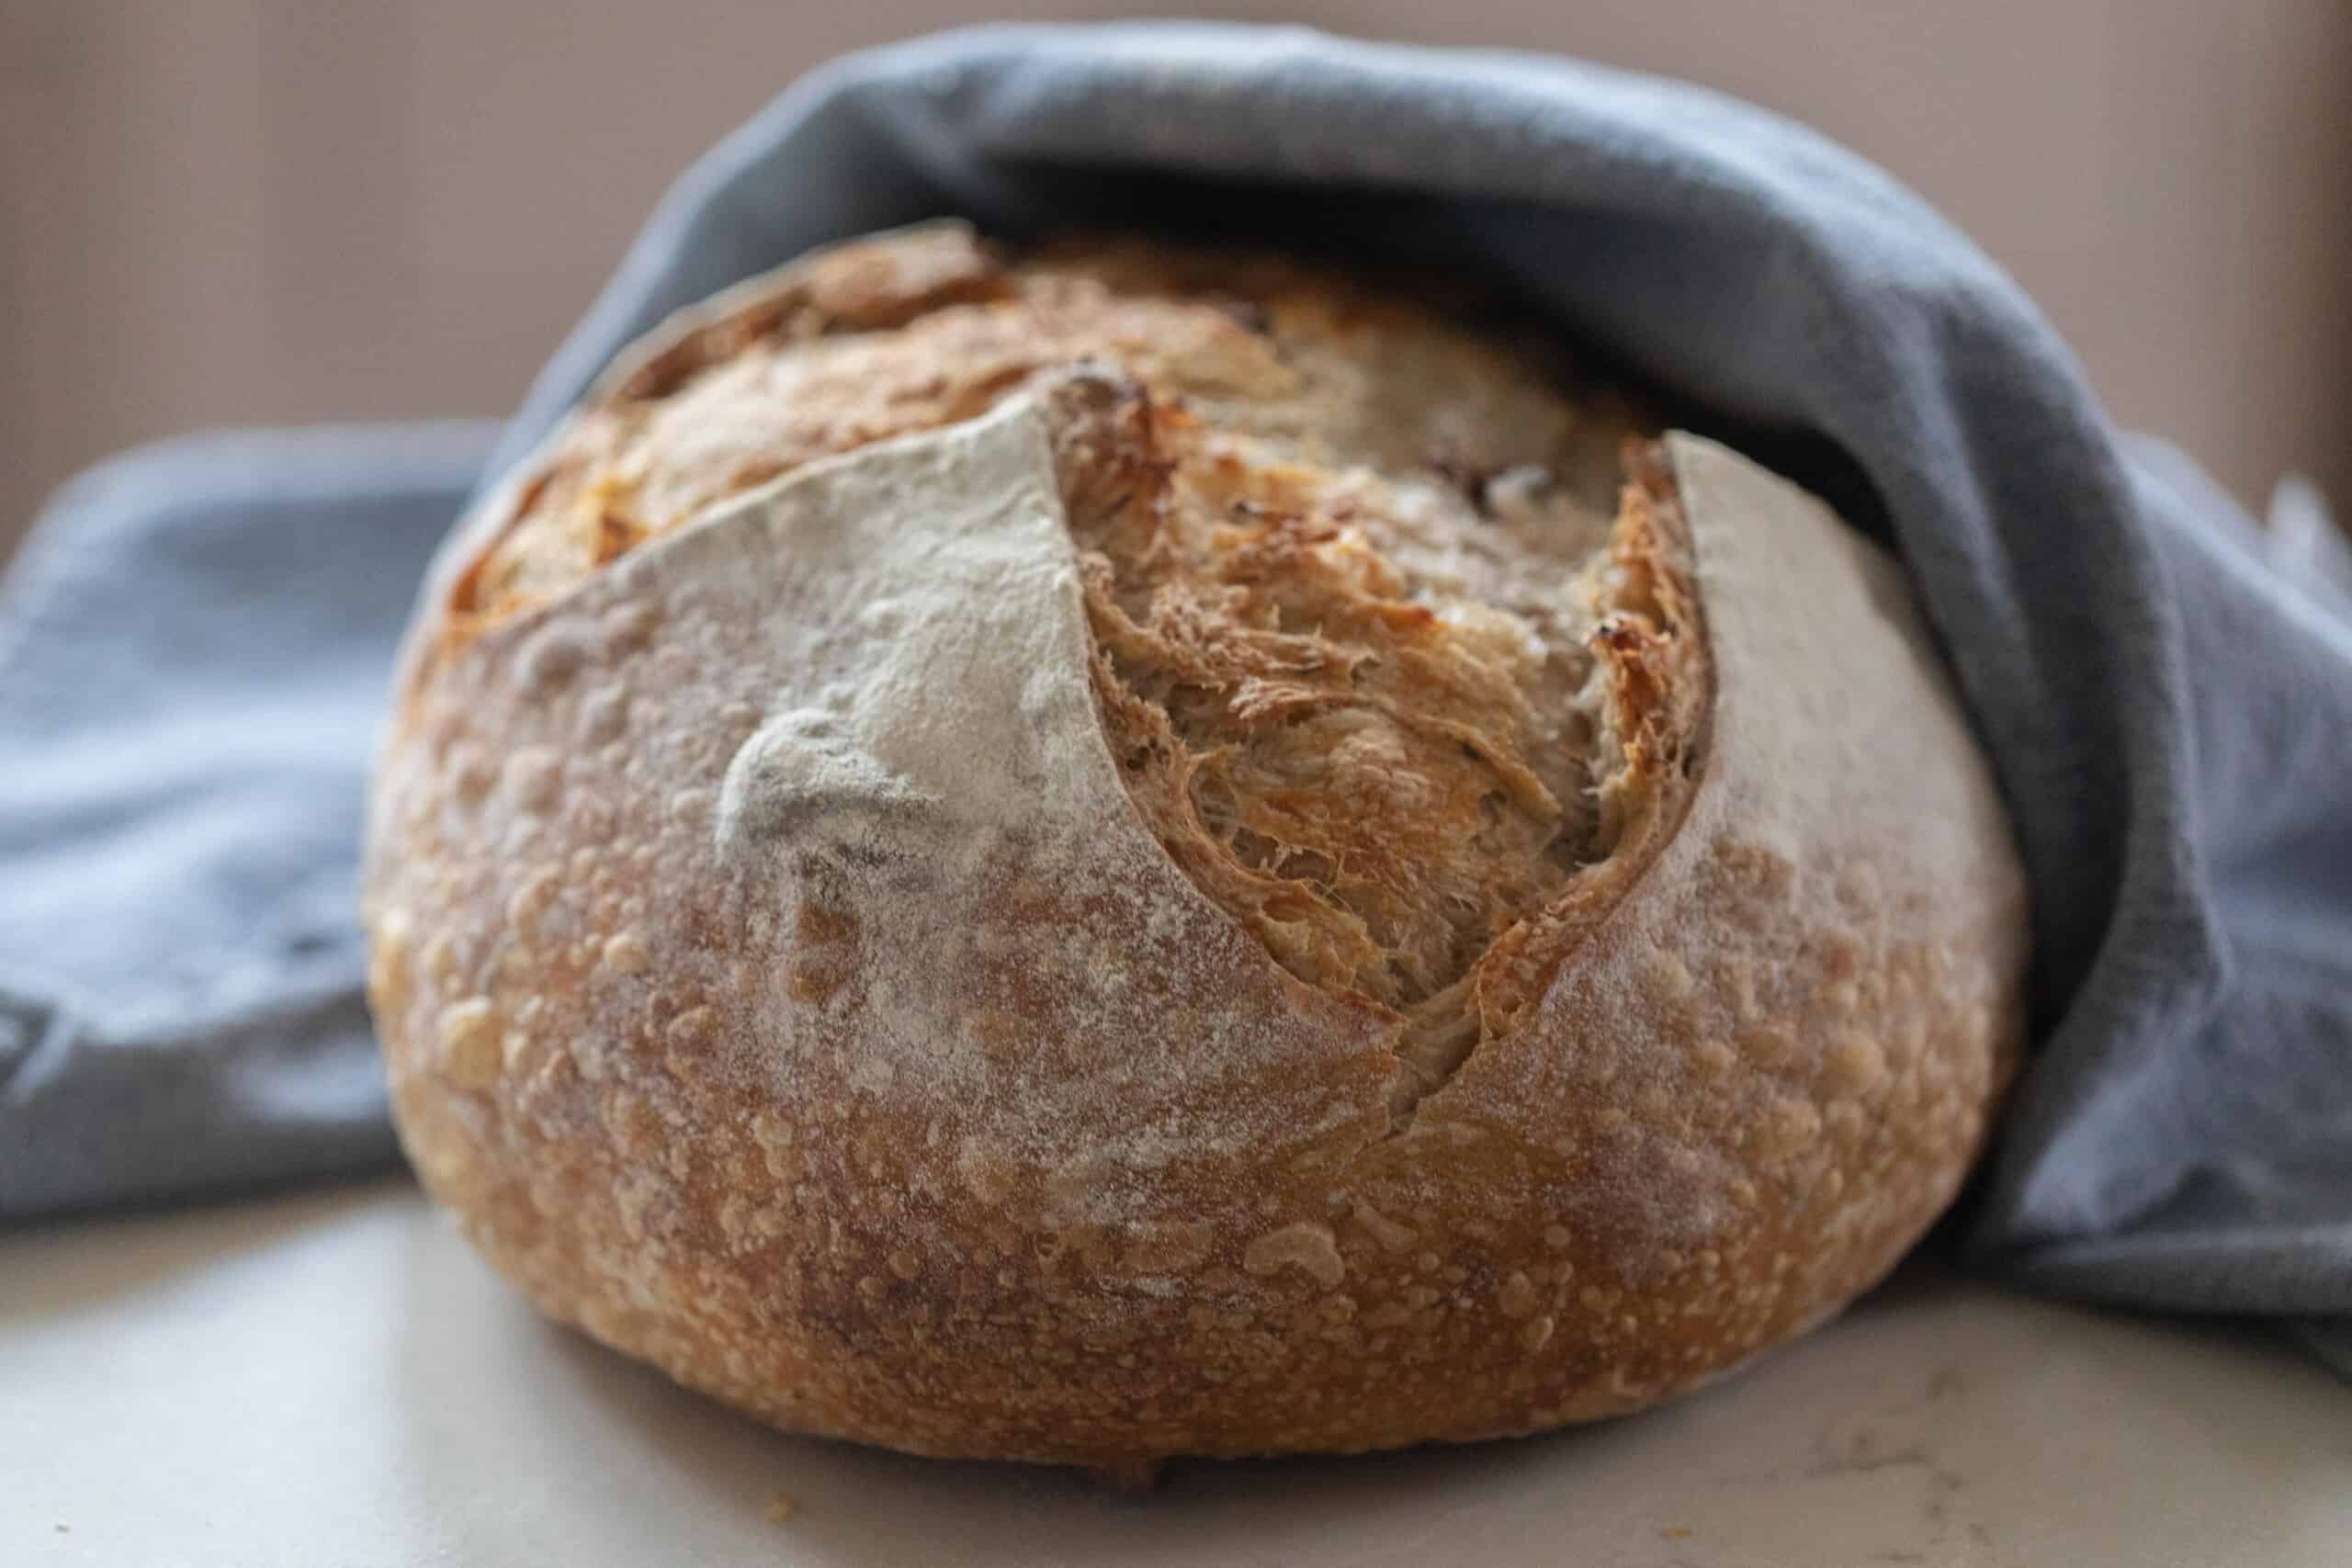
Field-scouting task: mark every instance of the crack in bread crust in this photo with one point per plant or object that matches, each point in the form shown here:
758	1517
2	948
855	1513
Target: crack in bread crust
1342	560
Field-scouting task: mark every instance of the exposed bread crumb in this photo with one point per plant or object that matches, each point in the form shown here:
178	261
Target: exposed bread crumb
1341	635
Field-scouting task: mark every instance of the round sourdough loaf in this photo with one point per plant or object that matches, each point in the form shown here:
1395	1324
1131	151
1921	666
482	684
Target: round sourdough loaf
1114	851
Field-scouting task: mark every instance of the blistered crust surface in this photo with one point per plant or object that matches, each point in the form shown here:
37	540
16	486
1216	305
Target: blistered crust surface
1749	1091
1052	1160
796	973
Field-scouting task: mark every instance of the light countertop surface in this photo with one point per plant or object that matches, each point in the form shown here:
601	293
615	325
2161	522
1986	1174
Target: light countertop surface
333	1378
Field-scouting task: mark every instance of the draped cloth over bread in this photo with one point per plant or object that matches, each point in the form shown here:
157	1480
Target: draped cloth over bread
2169	714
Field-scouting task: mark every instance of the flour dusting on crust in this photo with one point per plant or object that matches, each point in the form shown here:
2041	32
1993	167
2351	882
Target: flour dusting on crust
785	974
928	648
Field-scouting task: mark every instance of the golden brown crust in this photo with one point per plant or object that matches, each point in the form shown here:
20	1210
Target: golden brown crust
1154	1191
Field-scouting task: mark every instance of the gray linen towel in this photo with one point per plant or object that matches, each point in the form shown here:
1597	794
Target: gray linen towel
194	647
2169	715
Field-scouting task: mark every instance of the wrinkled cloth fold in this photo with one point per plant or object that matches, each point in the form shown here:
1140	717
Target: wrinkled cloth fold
2169	710
195	643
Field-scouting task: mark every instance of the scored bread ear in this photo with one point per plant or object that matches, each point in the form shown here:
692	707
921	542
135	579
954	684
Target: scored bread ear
1743	1093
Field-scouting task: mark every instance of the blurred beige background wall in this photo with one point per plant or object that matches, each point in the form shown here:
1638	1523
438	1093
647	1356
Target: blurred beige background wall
220	211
